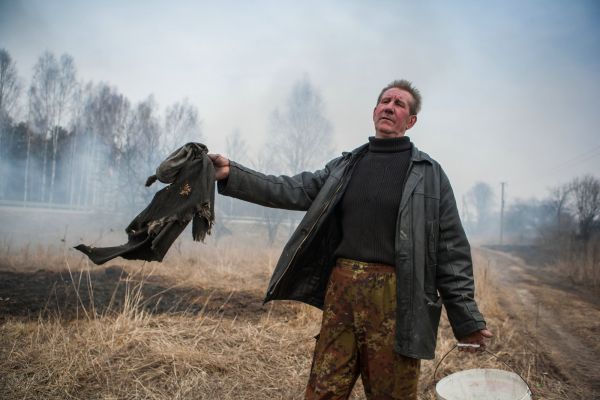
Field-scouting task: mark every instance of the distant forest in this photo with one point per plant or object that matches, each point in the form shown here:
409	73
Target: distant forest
75	144
81	144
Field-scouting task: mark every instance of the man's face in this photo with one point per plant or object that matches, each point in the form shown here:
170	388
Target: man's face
392	115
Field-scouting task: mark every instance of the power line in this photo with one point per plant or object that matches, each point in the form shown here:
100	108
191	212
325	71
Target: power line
580	158
589	154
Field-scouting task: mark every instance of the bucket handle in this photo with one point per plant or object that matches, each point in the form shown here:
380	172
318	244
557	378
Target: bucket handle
470	345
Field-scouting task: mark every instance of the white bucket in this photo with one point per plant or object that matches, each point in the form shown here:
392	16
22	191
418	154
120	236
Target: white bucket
482	384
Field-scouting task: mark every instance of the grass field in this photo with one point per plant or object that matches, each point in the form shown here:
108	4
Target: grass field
193	327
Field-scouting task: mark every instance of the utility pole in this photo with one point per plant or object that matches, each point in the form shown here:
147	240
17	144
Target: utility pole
502	184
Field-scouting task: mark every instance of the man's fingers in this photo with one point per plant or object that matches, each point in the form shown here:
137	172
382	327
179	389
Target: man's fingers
475	341
221	165
486	333
218	160
214	157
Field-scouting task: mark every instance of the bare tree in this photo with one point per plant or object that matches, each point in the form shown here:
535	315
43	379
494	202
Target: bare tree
466	215
51	91
76	129
236	149
10	85
27	163
557	201
41	105
301	133
181	125
141	153
66	86
10	90
586	198
273	217
481	196
104	118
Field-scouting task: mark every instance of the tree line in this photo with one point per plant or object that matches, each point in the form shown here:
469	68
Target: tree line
65	142
564	225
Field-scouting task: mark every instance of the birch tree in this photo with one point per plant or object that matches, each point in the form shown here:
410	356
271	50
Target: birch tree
141	153
51	92
301	134
105	118
181	125
66	86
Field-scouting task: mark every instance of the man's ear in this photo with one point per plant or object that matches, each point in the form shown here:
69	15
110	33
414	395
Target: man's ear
412	120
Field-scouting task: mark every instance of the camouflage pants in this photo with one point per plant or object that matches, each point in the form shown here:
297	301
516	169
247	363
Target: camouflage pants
357	337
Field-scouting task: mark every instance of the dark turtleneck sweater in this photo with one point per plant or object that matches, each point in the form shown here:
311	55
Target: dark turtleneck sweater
369	207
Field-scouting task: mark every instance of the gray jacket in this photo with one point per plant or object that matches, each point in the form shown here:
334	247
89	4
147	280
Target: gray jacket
433	257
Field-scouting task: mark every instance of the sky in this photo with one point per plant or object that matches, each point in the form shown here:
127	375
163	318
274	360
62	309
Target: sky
511	89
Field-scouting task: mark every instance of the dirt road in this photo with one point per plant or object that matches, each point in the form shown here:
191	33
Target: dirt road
562	319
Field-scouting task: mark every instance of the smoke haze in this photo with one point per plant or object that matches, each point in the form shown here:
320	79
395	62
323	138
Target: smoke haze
510	89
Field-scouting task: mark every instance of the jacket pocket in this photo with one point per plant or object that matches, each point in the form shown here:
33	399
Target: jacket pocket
434	310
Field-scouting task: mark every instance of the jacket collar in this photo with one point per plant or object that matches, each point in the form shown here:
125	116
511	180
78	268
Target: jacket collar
416	154
357	151
419	156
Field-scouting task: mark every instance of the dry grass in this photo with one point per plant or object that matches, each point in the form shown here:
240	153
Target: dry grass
129	350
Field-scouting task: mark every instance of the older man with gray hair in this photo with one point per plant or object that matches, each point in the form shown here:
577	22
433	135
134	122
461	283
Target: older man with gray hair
380	248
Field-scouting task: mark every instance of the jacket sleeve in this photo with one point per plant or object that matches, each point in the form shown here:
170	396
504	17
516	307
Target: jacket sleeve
288	192
454	277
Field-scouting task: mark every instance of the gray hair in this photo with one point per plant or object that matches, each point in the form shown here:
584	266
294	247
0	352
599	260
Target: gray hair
403	84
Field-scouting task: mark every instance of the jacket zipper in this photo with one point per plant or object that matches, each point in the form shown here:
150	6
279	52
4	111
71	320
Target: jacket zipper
309	232
399	222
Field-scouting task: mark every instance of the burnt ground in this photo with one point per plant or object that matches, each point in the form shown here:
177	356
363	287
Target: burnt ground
560	318
51	294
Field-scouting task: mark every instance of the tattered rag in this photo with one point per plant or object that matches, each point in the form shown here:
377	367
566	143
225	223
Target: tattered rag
190	196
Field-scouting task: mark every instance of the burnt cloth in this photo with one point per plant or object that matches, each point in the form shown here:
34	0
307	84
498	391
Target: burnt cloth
190	196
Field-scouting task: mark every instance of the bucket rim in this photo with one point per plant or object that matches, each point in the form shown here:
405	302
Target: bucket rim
528	392
473	371
515	377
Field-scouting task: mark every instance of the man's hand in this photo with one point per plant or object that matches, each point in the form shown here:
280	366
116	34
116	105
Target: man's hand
221	165
477	337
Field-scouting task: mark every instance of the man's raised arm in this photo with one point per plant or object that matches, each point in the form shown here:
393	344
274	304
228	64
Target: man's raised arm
295	192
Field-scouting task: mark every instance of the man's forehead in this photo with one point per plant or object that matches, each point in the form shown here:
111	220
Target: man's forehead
397	92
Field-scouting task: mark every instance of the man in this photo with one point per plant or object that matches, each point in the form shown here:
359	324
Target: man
380	248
